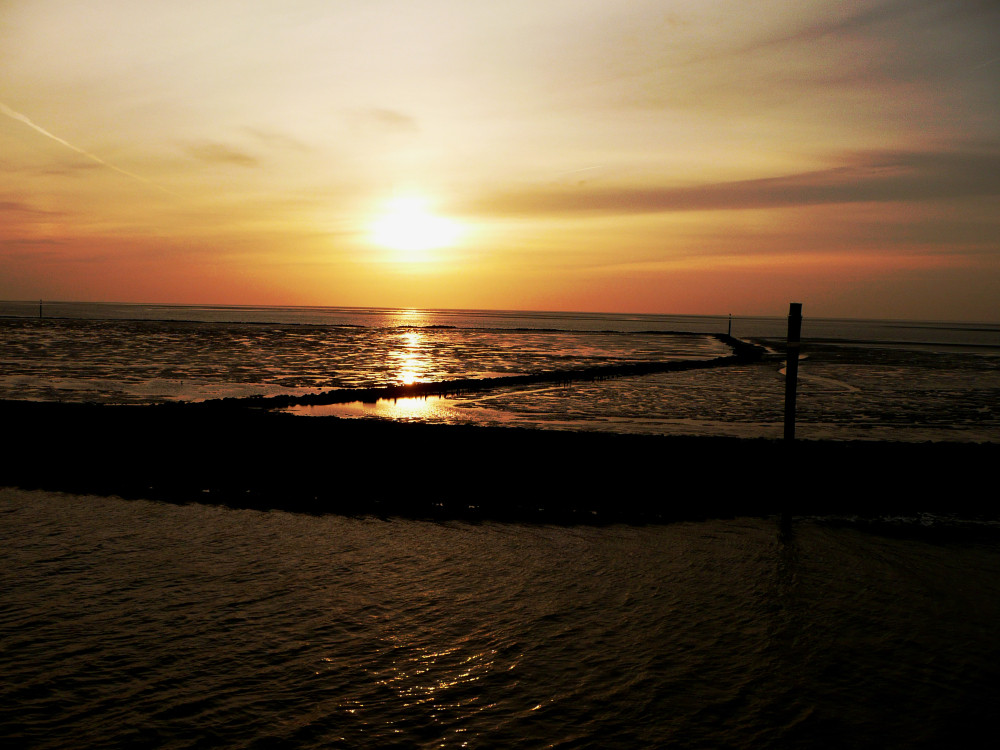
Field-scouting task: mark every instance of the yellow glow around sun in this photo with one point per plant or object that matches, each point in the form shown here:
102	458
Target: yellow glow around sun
406	225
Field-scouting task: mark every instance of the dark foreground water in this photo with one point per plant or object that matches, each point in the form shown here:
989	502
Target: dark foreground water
132	623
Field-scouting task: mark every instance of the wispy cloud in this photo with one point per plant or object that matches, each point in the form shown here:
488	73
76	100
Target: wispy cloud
220	153
840	22
76	167
21	208
28	246
14	115
866	177
382	120
275	139
392	119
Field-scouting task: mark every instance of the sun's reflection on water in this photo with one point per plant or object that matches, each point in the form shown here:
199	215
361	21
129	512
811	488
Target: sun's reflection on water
422	407
410	318
411	358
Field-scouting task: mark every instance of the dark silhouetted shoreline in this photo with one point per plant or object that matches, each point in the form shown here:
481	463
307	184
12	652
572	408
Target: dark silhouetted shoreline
255	458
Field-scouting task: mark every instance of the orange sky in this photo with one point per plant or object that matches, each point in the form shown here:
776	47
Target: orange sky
660	156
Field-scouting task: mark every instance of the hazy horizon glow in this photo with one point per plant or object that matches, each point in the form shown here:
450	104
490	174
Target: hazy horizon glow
650	156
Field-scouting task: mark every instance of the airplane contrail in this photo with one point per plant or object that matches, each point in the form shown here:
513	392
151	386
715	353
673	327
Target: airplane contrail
983	65
14	115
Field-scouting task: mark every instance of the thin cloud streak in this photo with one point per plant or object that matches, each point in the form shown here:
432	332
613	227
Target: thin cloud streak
24	208
878	178
220	153
393	120
895	17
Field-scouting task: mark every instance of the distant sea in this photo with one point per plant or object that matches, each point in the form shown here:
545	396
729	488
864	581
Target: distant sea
134	623
942	333
860	379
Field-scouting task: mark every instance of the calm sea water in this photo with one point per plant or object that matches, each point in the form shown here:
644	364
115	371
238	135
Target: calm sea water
899	380
138	624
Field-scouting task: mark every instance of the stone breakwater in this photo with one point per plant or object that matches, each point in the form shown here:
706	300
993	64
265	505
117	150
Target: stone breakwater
743	352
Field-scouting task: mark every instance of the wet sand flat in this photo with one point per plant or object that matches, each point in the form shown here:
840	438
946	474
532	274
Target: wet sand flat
847	391
115	361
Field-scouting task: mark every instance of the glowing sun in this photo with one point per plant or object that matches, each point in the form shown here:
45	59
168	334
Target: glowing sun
407	226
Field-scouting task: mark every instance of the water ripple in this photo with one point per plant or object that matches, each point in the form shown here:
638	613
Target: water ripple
136	623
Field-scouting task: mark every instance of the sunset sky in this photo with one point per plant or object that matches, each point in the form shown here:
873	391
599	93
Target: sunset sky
660	156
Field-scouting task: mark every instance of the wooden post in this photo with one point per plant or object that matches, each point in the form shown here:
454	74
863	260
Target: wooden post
39	308
730	324
792	366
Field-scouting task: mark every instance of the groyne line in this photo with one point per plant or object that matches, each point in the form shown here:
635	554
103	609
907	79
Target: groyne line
743	352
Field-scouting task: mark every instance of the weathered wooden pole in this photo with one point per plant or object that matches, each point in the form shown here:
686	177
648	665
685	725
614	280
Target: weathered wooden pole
730	324
792	366
39	308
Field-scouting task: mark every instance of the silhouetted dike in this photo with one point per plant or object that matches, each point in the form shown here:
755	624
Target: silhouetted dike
255	458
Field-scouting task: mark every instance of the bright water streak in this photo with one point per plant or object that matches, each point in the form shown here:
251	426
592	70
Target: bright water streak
141	624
